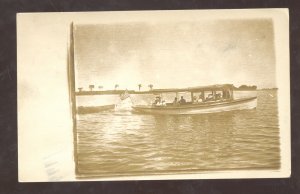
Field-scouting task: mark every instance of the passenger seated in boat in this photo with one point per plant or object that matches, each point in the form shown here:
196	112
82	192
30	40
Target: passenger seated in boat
161	103
210	97
175	102
195	100
182	100
157	100
218	96
199	99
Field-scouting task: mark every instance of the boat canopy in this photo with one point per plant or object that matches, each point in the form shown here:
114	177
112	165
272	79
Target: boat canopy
196	89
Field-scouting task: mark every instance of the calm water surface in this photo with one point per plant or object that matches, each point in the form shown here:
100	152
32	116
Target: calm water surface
122	143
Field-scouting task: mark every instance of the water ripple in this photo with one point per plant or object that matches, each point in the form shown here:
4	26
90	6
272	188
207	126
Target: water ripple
121	143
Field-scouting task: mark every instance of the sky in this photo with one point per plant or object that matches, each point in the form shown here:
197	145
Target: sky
175	54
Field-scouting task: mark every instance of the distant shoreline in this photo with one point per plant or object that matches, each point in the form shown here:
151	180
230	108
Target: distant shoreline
268	89
119	92
237	89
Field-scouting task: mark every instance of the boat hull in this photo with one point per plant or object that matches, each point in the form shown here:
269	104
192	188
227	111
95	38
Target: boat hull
201	108
94	109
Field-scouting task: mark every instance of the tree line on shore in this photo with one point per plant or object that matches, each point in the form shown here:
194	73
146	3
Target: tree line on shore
150	86
92	87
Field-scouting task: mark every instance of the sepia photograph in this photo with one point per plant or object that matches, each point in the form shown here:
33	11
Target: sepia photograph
163	95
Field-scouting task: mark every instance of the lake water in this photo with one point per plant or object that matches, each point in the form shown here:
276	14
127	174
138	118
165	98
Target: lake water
115	143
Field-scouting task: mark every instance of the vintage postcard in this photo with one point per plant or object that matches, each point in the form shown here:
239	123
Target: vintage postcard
139	95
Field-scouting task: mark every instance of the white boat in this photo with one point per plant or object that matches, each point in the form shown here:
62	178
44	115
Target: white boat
219	99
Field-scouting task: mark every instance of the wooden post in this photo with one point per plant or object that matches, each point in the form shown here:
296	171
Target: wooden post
71	82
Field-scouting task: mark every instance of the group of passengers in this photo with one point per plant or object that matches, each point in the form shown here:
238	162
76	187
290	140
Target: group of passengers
211	97
178	102
182	101
159	101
